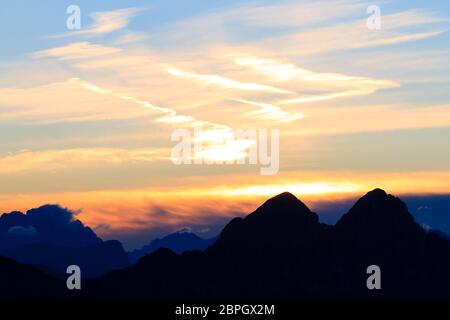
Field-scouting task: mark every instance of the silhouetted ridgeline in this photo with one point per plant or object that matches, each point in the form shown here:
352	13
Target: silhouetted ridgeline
18	281
51	239
282	251
179	242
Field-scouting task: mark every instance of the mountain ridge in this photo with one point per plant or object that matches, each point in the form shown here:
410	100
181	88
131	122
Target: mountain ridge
179	242
282	251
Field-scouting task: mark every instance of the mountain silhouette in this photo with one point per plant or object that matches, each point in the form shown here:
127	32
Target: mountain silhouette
46	224
379	230
18	281
51	238
440	234
179	242
94	260
282	251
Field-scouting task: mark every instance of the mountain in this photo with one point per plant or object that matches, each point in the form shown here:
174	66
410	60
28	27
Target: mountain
282	251
179	242
94	260
440	234
379	230
258	255
20	281
51	238
46	224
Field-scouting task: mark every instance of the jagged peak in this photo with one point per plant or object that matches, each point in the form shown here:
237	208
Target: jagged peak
376	193
285	200
380	197
378	207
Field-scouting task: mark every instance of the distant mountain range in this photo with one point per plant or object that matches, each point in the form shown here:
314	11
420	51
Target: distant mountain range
179	242
51	238
280	251
94	260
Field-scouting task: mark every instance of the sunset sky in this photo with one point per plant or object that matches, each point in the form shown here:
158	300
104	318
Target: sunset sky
87	116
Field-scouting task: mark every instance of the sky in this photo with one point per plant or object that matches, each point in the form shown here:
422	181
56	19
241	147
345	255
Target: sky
89	116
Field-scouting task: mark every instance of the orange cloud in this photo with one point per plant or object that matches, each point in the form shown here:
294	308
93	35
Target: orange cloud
53	160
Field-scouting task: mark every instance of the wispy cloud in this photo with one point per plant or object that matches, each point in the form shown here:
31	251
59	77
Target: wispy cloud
226	83
54	160
63	102
269	111
300	28
109	21
132	37
260	64
372	118
285	15
77	50
104	22
337	85
219	141
406	26
295	14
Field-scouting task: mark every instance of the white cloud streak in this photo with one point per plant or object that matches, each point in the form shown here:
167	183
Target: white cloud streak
226	83
104	22
76	51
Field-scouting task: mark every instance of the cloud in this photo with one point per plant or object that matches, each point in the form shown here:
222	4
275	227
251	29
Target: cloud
282	72
102	227
372	118
55	160
354	34
219	142
210	201
295	14
65	101
308	80
226	83
109	21
41	104
159	211
104	22
300	28
271	112
410	18
75	51
234	24
23	231
298	188
257	62
132	37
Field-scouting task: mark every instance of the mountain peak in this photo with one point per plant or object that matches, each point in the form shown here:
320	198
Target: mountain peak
378	215
281	220
377	192
284	196
377	204
284	202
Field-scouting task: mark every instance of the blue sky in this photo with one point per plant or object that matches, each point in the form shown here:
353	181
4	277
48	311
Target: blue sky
24	25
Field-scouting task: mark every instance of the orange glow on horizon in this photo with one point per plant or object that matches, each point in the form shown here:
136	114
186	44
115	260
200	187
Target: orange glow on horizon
137	209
